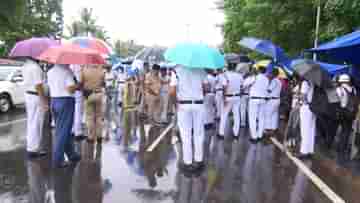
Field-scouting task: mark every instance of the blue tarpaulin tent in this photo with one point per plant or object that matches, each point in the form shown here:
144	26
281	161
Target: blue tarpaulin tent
345	48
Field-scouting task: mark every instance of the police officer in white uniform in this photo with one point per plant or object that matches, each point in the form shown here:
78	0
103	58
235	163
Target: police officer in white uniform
209	100
187	86
273	103
232	89
307	121
219	94
36	104
257	101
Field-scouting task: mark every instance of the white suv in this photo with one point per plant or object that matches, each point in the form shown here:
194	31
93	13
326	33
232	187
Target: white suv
12	90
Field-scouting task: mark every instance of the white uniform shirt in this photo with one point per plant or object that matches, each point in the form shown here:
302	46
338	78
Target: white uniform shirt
343	93
76	69
33	75
274	89
109	79
220	78
233	83
211	81
164	87
60	77
259	87
188	83
247	83
307	91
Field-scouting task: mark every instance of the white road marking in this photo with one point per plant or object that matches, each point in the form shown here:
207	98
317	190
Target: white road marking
12	122
311	175
157	141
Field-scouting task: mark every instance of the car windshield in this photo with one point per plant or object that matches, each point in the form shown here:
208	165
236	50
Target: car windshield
4	73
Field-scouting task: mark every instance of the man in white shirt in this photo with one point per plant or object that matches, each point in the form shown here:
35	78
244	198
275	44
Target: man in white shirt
307	121
346	119
257	94
273	103
62	88
36	105
187	86
232	89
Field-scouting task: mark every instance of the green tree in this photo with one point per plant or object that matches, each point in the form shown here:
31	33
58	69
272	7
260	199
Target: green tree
290	24
22	19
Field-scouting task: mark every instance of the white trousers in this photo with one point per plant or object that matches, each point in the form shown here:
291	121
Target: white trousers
219	98
256	117
164	106
34	116
78	116
209	102
244	101
233	105
307	130
191	117
272	114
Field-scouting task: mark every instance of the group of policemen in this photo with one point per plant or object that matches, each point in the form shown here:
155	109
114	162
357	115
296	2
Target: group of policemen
202	100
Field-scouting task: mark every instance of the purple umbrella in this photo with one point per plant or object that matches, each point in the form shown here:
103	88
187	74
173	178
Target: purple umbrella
33	47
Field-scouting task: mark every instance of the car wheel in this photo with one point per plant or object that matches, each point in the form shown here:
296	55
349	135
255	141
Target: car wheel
5	103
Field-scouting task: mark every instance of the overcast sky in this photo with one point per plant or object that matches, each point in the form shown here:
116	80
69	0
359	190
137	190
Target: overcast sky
153	22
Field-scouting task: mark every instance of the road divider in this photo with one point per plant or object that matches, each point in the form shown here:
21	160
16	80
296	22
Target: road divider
311	175
4	124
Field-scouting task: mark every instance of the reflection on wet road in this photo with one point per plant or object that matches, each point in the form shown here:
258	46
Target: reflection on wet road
237	172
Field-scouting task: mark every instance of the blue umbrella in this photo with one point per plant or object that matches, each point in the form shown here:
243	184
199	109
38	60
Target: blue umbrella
198	56
264	47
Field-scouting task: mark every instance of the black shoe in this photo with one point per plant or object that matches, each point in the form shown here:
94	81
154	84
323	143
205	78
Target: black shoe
220	137
62	165
259	139
75	159
253	141
304	156
199	166
187	170
80	138
235	137
36	155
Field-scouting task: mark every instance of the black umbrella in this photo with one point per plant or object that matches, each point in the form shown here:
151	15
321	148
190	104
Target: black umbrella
152	55
236	58
312	72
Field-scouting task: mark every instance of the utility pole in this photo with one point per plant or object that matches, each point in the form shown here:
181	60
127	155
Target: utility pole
188	32
316	41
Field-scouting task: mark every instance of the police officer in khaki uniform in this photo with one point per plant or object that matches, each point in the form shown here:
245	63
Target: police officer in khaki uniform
93	80
152	94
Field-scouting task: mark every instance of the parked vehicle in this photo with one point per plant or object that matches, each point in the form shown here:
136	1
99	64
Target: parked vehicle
12	90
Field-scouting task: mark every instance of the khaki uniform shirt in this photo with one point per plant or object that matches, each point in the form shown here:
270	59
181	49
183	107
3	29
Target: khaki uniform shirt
93	78
152	85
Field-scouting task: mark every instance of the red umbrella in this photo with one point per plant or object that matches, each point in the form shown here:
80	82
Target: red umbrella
71	54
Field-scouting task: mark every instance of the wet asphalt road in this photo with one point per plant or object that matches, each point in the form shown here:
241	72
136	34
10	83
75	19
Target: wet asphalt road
237	172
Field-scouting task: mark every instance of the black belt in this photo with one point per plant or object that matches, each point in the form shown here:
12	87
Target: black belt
258	98
244	94
191	102
232	95
274	98
32	93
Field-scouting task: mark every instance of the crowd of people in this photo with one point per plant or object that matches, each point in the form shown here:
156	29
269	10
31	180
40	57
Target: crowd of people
158	94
